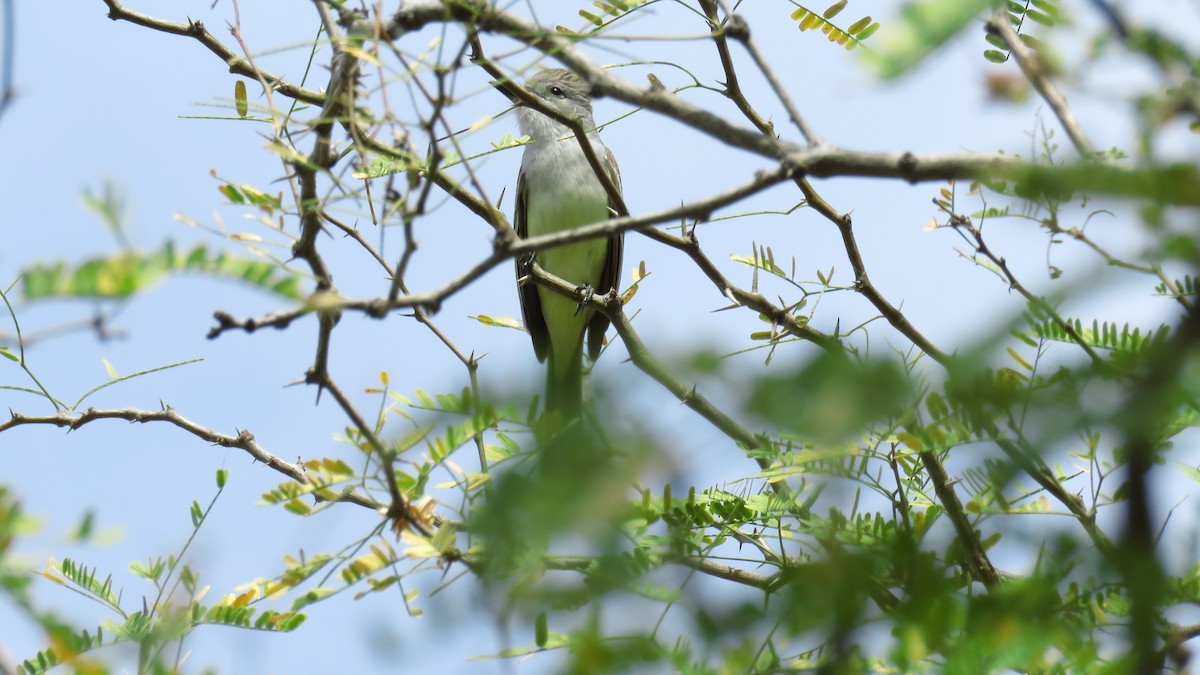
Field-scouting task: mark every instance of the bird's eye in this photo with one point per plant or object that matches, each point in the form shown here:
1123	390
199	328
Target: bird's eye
557	91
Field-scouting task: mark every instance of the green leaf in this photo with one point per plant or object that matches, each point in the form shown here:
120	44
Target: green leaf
925	26
540	630
443	539
995	41
69	644
859	25
868	31
232	193
83	531
591	18
384	166
834	9
298	507
111	207
129	272
315	595
86	579
1039	17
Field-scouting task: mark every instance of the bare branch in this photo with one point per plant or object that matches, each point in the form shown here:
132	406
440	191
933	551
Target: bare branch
862	282
276	320
197	31
244	440
1035	71
735	27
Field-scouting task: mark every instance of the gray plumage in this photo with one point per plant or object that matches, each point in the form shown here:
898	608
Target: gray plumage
558	190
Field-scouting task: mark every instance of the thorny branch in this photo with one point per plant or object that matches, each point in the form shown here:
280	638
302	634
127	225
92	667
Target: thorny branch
700	209
244	440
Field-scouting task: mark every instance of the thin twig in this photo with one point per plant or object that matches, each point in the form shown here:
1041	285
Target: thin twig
431	300
244	440
1035	71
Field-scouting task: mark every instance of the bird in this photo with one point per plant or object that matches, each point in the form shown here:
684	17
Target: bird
558	190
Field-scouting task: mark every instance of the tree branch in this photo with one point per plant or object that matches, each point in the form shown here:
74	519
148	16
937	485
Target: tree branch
1035	71
244	440
700	209
197	31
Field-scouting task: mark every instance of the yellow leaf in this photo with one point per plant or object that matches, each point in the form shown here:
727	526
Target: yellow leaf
421	551
361	54
499	321
244	599
910	440
54	578
239	98
639	272
480	123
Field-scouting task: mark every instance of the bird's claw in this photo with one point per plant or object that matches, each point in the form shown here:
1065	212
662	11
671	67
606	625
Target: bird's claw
585	293
526	262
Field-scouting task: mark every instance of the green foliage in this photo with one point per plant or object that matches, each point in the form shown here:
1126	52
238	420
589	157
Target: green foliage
1043	12
70	646
322	475
925	25
849	37
1186	286
1098	335
111	207
124	274
159	622
831	399
610	11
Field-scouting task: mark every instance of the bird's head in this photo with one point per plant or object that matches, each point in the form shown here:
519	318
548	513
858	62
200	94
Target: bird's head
562	90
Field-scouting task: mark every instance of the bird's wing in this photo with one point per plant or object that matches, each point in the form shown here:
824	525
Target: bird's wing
610	277
531	306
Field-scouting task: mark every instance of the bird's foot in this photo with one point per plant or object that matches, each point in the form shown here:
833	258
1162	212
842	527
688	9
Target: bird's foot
585	293
526	262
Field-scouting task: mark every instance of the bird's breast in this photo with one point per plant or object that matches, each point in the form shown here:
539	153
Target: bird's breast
559	178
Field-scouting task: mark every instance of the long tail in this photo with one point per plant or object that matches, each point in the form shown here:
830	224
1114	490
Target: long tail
564	384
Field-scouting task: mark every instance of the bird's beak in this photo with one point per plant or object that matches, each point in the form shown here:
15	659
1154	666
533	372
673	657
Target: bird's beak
503	88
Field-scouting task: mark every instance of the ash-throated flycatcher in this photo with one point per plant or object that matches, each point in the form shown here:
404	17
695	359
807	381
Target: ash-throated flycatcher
558	190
